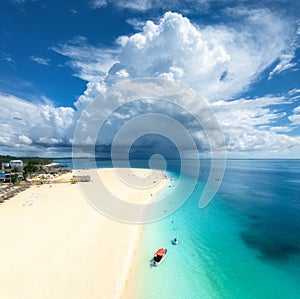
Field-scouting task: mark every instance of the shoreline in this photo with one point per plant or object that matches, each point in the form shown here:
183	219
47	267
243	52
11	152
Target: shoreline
59	243
134	244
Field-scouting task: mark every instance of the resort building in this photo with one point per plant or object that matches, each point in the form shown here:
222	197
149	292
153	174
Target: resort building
2	176
16	164
4	165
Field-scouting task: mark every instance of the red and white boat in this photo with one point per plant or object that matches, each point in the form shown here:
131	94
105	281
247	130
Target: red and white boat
159	256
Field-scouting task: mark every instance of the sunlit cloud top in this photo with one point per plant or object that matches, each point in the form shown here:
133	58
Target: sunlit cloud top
243	59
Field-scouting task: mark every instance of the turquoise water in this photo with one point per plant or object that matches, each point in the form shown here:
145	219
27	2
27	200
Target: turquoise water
244	244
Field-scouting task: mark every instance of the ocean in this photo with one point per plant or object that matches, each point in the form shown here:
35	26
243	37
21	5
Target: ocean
244	244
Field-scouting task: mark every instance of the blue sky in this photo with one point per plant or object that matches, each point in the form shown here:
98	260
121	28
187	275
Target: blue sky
242	57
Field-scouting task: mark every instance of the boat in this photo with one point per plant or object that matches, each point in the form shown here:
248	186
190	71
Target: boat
159	256
175	241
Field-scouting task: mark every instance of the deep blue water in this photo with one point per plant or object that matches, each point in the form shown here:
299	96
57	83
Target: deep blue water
244	244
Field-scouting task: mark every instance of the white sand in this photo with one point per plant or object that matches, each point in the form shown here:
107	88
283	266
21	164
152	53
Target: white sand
53	244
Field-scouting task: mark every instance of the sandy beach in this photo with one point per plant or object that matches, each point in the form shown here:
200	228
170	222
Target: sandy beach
54	244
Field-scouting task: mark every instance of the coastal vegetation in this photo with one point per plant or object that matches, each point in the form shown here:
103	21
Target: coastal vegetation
27	160
33	168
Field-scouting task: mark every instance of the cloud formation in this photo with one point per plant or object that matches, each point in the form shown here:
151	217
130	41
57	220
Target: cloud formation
7	58
40	60
89	67
220	62
217	61
295	117
192	7
98	3
250	124
31	128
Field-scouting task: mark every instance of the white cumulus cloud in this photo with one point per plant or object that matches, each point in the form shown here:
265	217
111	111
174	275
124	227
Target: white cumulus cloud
34	127
217	61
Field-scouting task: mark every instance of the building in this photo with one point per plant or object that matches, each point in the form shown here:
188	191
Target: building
2	176
16	164
4	165
81	178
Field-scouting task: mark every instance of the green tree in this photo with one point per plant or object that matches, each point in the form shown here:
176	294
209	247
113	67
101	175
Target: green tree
29	169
